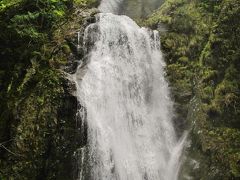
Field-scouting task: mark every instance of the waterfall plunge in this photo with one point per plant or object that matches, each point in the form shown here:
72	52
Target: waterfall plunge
129	112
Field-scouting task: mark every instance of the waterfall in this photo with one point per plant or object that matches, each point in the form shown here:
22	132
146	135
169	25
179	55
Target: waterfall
111	6
128	106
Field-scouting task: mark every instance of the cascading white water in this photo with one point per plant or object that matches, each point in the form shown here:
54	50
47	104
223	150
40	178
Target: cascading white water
129	112
111	6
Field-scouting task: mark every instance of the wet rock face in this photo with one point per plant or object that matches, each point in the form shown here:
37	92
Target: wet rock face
69	133
72	111
75	43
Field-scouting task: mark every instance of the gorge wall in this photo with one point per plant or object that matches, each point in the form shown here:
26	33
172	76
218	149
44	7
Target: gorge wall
38	129
201	46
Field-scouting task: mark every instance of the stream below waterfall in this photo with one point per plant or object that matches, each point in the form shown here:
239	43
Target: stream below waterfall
126	100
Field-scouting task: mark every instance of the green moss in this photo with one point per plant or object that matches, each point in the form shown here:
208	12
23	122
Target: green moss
37	113
66	49
88	3
201	48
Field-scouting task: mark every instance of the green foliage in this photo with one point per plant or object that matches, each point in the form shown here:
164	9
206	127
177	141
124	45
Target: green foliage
86	2
36	118
201	45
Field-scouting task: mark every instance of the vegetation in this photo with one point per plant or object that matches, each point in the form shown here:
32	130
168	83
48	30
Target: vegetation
37	128
37	121
202	51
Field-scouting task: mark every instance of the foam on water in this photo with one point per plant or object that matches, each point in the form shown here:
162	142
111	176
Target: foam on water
129	110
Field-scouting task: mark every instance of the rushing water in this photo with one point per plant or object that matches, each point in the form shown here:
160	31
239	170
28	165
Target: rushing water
126	97
112	6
